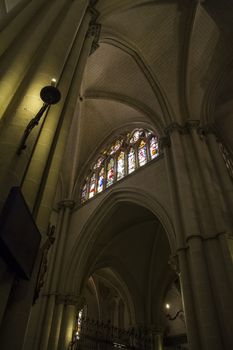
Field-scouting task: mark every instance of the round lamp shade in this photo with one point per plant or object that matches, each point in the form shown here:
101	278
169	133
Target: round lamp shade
50	95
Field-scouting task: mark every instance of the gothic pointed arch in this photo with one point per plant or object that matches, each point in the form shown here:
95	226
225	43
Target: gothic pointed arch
127	153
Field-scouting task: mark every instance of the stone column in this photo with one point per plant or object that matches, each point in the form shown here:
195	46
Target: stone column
45	185
50	313
55	60
27	48
220	168
33	335
16	21
68	321
56	324
206	287
157	340
181	262
3	11
51	289
218	260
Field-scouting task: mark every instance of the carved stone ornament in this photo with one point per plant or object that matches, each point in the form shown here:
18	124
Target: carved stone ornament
164	142
94	30
208	129
66	203
44	261
174	263
182	129
68	299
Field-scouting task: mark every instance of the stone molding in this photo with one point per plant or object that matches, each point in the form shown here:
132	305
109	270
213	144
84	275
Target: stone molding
207	238
94	13
164	142
68	299
174	263
94	27
94	30
208	129
66	203
184	130
202	239
44	261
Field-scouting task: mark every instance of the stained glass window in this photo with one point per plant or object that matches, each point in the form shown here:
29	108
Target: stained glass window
121	166
131	160
142	153
84	193
154	147
227	158
92	186
122	157
79	324
98	163
101	180
135	136
116	146
110	172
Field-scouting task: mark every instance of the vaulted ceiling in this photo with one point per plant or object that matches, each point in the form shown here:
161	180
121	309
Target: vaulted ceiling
157	62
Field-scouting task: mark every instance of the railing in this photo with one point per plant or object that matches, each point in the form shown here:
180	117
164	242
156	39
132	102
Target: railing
94	335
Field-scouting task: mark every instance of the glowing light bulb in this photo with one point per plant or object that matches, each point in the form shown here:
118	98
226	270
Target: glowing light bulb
167	306
53	82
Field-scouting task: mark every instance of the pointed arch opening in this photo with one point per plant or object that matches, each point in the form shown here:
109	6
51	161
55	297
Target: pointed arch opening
122	157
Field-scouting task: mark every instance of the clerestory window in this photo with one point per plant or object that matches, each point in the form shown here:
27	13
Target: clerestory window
227	158
126	154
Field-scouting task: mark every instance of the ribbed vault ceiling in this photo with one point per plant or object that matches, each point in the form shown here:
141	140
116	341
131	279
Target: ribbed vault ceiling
158	62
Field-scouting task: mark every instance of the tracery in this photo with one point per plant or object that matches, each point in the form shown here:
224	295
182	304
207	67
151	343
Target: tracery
121	158
227	158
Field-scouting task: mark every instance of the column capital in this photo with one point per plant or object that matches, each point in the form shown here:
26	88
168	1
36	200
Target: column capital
94	31
92	10
164	142
94	27
67	299
208	129
182	129
174	263
66	203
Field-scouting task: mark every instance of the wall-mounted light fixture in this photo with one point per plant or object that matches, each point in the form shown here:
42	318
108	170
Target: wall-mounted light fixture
50	95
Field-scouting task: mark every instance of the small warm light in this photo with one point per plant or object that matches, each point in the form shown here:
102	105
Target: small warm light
53	82
167	306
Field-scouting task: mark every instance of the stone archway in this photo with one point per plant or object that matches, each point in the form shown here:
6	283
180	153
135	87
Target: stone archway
82	248
126	236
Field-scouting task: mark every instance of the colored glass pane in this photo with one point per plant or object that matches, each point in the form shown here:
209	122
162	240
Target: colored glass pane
135	137
227	158
79	324
98	163
121	166
142	153
154	147
84	193
100	186
110	172
131	160
92	186
115	147
106	171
